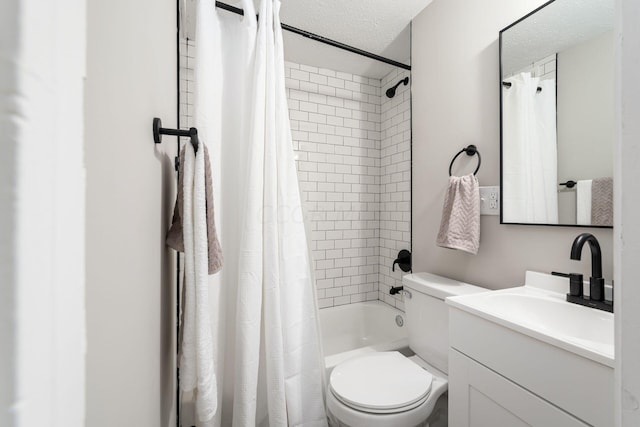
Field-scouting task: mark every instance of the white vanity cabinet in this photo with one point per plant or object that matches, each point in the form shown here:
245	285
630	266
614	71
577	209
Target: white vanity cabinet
502	373
479	397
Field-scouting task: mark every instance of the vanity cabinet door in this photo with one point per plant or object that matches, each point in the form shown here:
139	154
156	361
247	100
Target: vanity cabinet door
479	397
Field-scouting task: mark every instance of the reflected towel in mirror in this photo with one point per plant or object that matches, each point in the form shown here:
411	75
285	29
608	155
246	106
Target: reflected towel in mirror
583	202
602	201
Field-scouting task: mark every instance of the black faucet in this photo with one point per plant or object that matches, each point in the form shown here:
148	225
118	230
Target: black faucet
396	290
596	281
403	261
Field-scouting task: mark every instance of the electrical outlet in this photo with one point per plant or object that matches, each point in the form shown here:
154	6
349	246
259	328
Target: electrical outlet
490	200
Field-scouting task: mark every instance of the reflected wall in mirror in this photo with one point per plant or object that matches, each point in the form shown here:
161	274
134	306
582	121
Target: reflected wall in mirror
556	73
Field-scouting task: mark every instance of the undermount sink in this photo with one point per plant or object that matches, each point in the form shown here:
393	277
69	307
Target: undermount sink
540	310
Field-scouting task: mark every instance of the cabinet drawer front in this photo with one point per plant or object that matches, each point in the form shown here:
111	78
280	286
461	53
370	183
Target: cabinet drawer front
479	397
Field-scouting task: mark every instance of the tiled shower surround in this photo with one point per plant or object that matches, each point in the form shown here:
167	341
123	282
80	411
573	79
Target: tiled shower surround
353	149
335	121
353	154
395	182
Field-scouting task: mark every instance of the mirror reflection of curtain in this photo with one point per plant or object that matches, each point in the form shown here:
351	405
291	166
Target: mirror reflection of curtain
530	172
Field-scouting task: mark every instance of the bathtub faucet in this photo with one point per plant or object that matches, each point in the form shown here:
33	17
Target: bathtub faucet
396	290
403	260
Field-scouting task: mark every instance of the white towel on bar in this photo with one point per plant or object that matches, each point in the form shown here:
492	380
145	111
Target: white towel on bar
583	202
460	226
196	358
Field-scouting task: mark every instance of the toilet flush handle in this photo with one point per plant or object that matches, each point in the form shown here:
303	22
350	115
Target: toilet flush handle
407	294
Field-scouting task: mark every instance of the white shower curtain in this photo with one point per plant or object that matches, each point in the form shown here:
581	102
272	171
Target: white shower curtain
268	361
530	173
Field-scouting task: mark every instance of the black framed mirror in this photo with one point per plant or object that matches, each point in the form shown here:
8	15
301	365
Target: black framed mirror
557	114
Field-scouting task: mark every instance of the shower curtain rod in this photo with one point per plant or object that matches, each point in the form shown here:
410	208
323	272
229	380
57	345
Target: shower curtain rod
322	39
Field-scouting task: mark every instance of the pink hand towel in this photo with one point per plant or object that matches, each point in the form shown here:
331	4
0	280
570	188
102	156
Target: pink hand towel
175	237
460	226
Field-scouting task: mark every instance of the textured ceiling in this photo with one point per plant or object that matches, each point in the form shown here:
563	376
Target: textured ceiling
378	26
562	24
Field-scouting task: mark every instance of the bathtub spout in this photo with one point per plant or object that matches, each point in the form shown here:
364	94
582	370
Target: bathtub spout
396	290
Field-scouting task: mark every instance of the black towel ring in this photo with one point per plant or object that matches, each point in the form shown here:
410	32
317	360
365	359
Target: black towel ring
470	150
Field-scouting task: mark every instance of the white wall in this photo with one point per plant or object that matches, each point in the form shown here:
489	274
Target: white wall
585	116
131	77
456	103
42	318
627	205
585	109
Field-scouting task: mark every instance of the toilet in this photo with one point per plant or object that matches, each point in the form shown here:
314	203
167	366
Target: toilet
387	389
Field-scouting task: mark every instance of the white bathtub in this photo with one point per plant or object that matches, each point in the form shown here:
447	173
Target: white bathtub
355	329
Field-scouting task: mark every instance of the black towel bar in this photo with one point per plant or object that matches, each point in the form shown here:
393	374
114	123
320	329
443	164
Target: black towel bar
470	151
569	184
158	131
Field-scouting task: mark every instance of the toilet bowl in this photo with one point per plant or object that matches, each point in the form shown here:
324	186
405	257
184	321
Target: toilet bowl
382	390
388	389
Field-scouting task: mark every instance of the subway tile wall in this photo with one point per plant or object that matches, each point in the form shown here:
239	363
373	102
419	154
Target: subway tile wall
187	59
335	122
544	68
395	183
353	148
368	147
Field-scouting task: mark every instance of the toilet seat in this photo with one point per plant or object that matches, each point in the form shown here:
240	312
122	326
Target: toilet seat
380	383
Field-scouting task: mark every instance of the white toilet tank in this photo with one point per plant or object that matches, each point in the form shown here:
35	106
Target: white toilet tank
428	316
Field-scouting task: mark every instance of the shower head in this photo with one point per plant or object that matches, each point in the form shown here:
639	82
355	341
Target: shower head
391	92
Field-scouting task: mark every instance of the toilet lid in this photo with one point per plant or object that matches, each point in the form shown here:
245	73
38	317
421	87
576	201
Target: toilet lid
380	382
